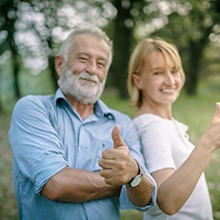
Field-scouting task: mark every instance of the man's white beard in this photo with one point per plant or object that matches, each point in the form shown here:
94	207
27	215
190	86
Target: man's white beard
84	87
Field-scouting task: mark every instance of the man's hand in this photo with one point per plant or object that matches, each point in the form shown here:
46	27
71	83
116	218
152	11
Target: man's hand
118	166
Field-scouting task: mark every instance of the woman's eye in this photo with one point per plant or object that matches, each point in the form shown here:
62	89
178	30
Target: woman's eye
175	71
158	73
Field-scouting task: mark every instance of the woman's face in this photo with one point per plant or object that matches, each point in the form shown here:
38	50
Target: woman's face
160	81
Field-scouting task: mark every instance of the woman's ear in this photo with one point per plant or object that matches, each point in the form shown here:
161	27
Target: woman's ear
58	64
137	81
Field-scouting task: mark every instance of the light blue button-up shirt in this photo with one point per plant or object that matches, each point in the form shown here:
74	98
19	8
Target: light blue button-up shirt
46	135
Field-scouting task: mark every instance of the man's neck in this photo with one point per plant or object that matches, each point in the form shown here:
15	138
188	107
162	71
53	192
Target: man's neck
84	110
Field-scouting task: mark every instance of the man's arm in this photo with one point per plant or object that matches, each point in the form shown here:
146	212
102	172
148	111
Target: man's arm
38	151
119	167
72	185
141	194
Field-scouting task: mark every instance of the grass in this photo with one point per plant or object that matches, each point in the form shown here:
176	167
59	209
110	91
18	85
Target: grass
194	111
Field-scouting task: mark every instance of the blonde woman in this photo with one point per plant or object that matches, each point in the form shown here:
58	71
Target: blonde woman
155	80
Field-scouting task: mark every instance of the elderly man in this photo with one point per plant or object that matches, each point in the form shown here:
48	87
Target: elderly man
75	158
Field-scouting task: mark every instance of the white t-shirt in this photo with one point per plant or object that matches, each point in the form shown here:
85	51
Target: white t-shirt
166	144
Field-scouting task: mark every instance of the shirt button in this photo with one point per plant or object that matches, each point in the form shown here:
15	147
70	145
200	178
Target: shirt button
98	114
83	147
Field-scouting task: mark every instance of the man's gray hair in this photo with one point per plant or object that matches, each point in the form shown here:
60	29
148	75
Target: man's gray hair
85	29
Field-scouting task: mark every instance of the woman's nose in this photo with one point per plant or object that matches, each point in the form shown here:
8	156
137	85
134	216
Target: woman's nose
169	79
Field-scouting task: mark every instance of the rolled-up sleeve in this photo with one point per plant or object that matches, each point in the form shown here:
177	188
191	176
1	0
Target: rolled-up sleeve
36	146
131	137
126	204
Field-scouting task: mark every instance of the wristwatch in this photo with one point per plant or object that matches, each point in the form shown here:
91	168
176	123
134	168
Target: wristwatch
135	181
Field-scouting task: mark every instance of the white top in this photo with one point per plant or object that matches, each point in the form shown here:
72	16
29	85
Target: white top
166	144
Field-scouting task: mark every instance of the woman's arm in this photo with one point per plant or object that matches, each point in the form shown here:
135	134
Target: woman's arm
175	187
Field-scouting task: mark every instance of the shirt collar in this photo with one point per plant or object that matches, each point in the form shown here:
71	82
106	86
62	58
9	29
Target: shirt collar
59	96
101	109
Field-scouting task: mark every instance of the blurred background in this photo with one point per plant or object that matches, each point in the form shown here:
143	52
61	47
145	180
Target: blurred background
32	30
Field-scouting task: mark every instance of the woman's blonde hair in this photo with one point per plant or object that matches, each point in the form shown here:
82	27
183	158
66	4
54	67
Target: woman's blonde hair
143	51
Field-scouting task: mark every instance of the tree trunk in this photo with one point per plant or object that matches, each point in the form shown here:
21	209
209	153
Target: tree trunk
53	74
121	51
196	54
16	67
10	22
192	73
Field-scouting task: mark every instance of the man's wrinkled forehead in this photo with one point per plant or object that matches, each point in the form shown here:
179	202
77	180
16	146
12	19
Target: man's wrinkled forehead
89	44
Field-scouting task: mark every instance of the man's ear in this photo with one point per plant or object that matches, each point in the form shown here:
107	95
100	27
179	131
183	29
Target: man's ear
137	81
59	63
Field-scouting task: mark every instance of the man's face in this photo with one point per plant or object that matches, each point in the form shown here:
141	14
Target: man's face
84	74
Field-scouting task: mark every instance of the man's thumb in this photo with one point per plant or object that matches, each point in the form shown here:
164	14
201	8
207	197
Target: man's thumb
116	136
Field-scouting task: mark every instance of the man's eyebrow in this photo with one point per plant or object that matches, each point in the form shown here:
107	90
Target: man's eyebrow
82	53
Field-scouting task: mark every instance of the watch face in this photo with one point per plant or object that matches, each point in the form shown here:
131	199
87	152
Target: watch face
136	180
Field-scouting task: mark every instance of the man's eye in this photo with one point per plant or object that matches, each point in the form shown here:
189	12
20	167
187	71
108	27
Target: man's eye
83	59
101	65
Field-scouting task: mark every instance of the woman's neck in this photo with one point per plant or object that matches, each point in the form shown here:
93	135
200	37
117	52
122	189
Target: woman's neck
163	111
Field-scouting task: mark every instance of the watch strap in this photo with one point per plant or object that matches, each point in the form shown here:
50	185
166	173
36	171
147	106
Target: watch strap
136	180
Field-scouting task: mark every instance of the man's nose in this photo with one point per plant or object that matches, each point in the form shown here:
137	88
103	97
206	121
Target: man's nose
92	68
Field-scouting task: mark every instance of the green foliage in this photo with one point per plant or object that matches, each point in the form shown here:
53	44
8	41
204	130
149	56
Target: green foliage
36	84
32	33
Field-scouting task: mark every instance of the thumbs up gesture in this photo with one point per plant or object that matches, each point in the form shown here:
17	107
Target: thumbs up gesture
211	138
118	166
117	139
216	117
